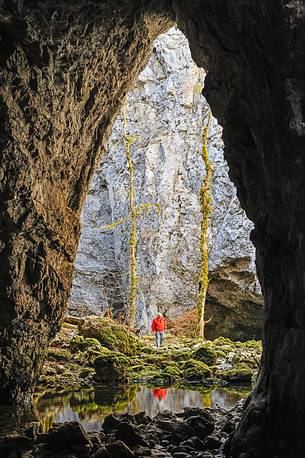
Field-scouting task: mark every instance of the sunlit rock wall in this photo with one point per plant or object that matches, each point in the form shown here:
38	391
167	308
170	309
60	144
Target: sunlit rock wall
166	112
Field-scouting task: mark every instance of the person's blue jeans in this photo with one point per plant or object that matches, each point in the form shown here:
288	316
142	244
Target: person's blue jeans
159	338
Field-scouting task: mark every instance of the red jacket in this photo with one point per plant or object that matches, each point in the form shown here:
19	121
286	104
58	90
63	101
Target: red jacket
158	324
160	393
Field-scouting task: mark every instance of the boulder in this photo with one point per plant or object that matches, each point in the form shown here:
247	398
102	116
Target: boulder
119	449
111	335
68	436
131	435
111	367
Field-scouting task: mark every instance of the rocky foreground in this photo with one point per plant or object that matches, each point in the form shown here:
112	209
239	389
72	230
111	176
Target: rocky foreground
196	433
92	351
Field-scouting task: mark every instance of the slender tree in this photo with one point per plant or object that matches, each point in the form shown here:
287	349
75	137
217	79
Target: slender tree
135	212
206	209
133	232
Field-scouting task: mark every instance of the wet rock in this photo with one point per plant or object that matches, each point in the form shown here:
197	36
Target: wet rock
205	455
184	449
202	425
119	450
32	430
165	443
131	435
128	417
192	411
194	443
191	433
228	426
142	451
110	423
96	439
166	425
102	452
180	455
212	443
142	419
15	441
69	436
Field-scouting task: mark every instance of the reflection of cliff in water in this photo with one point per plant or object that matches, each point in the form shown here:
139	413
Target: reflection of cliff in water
90	407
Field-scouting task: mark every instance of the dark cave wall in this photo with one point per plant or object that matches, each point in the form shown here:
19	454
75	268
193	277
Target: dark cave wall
65	69
254	52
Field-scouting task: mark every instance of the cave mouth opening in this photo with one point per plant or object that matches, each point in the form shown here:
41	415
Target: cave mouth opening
255	85
165	113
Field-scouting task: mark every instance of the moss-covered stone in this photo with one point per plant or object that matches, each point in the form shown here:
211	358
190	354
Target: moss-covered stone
107	352
240	374
111	367
111	335
82	344
59	354
87	373
155	359
205	355
195	370
181	355
171	371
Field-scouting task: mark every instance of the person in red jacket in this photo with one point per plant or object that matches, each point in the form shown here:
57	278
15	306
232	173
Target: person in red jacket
158	326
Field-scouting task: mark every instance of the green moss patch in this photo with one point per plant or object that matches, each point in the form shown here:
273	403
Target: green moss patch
205	355
111	335
111	367
242	373
196	371
81	344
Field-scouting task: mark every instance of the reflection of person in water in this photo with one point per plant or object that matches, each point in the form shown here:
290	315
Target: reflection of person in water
160	393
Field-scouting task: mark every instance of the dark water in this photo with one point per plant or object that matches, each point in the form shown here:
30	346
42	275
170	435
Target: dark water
90	407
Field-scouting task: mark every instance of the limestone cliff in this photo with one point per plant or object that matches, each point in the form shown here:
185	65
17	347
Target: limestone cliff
166	113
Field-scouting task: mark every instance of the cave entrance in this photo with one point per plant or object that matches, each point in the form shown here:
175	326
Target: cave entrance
166	112
55	114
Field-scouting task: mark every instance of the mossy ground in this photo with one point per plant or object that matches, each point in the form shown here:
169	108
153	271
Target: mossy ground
99	350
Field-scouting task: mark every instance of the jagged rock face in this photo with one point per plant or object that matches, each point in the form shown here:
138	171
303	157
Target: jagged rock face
64	70
166	113
97	280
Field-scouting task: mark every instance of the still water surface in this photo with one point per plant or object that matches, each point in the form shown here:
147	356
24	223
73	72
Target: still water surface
90	407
